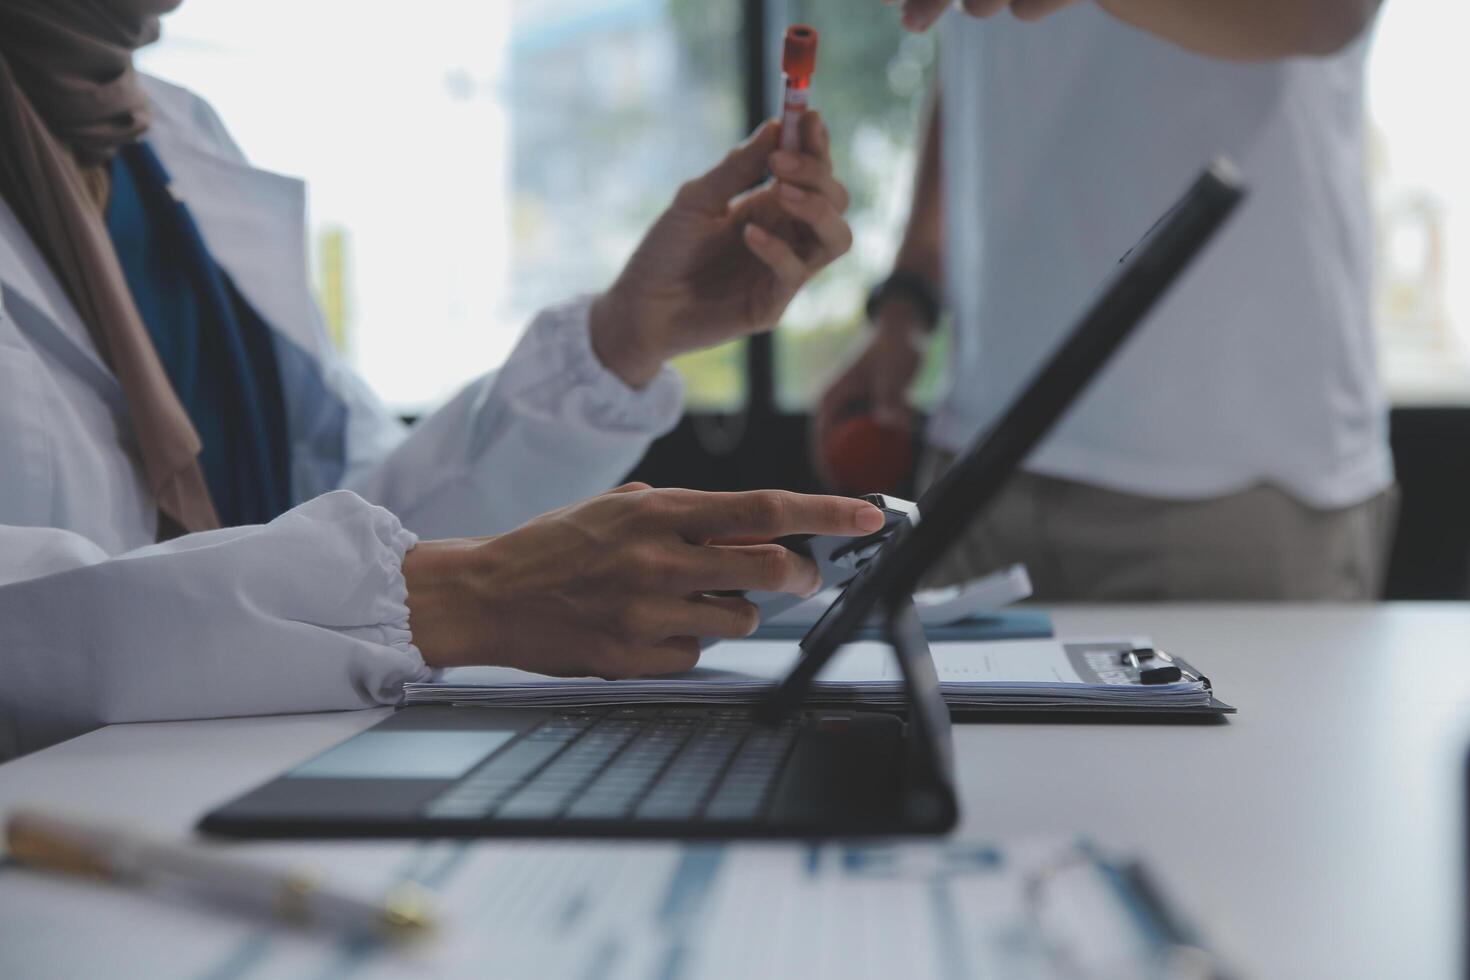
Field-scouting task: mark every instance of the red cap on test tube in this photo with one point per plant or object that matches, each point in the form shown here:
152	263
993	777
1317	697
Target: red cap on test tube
799	56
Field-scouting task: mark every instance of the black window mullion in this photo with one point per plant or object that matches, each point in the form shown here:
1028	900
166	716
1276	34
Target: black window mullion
760	349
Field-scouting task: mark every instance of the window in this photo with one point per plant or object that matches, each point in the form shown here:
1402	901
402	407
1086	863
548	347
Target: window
486	159
471	163
1420	166
613	104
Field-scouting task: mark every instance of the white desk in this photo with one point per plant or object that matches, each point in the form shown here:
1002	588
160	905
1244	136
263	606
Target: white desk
1315	835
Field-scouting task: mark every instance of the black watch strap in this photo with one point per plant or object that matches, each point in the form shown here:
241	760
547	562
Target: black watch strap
913	287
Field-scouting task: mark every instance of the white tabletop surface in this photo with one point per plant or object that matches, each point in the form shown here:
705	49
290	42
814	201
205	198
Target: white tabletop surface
1317	834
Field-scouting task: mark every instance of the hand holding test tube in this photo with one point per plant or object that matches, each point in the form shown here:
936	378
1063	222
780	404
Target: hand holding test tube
735	246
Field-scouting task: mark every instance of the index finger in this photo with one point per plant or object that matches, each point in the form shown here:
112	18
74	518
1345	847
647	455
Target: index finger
811	168
742	168
769	514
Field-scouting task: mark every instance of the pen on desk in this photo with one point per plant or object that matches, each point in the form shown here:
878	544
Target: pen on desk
90	849
1183	957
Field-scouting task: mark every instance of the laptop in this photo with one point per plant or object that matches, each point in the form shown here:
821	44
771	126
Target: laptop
781	769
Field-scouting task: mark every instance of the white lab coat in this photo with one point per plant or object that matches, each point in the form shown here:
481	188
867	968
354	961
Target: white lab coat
100	625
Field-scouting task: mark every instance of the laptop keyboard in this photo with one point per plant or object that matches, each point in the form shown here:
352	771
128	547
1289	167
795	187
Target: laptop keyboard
669	764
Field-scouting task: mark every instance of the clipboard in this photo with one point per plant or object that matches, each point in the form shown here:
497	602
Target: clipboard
1010	624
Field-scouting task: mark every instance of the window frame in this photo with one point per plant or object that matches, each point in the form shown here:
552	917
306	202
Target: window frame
756	62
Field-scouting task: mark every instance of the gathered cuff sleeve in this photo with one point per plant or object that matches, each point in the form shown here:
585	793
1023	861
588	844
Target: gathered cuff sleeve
306	613
555	373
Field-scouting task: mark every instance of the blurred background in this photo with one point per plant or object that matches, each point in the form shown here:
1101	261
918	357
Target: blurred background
555	130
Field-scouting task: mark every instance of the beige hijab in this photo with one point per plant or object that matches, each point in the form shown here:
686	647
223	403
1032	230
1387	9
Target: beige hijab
69	99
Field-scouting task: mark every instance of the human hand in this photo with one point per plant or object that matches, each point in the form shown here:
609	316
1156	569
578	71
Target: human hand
920	15
727	256
878	379
616	586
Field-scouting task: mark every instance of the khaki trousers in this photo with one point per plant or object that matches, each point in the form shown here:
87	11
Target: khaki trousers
1082	543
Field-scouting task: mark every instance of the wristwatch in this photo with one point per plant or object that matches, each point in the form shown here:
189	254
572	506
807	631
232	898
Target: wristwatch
914	287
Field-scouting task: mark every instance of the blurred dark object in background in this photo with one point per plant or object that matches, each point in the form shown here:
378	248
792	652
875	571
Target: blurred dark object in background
1431	550
864	456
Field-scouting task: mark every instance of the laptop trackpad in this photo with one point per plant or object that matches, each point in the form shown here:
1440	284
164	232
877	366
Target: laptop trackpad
404	755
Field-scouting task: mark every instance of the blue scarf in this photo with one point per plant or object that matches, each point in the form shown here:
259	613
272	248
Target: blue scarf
217	352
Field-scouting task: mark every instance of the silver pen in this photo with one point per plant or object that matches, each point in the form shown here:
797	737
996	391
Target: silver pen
91	849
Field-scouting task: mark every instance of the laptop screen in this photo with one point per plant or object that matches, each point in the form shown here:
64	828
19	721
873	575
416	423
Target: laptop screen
1142	276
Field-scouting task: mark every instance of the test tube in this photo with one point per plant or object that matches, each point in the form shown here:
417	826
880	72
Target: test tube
798	62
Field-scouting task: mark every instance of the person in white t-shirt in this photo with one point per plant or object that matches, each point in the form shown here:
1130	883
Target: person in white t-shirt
1237	446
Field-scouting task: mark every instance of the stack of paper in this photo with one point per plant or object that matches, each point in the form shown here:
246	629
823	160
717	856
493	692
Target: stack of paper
1015	674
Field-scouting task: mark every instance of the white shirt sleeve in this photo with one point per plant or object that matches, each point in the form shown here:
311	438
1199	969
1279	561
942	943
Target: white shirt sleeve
306	613
552	426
